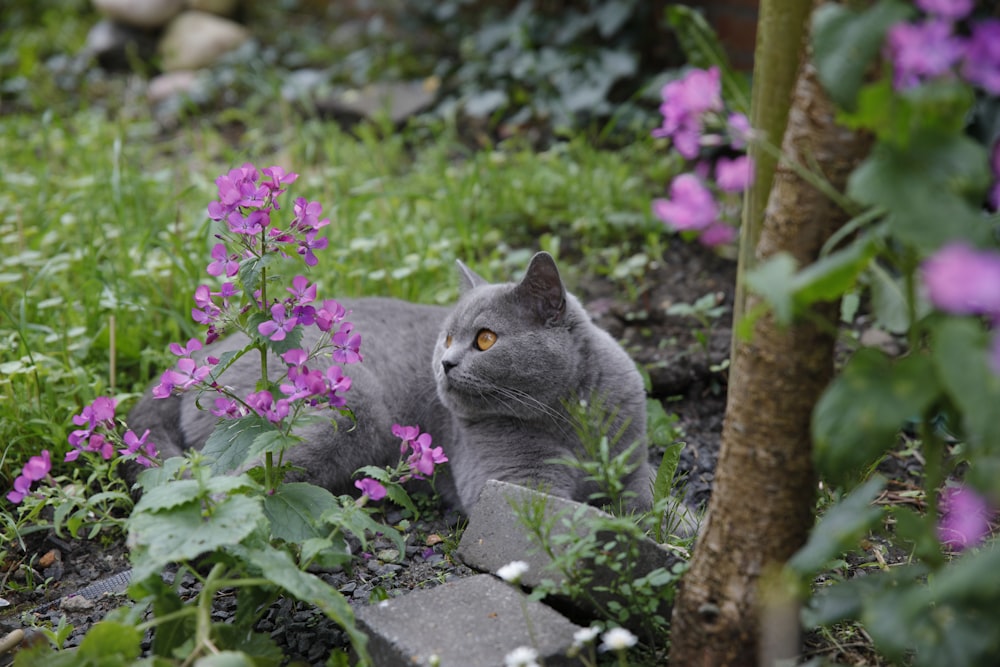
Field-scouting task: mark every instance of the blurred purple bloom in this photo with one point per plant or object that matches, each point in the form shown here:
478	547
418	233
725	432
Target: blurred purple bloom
34	470
947	9
734	175
371	488
740	131
263	403
165	387
716	234
962	280
691	205
336	383
139	447
920	51
965	518
276	178
227	408
188	373
981	65
193	345
685	100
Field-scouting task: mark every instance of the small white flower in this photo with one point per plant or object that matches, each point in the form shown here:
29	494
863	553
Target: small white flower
513	571
522	656
617	639
585	636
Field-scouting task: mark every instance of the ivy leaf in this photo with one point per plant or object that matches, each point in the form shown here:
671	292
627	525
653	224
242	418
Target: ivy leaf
846	41
858	416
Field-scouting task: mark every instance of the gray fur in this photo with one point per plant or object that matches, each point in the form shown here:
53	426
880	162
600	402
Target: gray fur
498	413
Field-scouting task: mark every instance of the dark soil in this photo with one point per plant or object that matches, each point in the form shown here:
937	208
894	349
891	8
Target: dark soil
683	357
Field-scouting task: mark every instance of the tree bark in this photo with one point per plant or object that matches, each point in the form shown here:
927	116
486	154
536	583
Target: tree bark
762	506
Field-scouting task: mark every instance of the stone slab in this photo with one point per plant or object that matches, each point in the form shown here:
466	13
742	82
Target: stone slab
472	622
496	536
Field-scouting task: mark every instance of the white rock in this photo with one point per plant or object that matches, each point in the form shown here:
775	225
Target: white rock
146	14
197	39
170	84
220	7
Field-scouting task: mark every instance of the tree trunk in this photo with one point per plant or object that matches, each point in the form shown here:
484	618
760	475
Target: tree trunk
762	506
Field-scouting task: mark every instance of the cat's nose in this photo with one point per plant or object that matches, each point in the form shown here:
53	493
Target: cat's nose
447	365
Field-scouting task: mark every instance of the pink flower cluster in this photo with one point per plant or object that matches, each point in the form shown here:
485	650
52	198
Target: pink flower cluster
933	47
962	280
419	464
99	434
694	120
35	469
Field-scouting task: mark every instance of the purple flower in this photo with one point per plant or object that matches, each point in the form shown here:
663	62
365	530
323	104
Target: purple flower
716	234
188	373
307	215
205	310
263	403
193	345
303	384
691	205
277	178
330	314
423	457
250	224
139	447
346	347
302	292
296	357
962	280
734	175
222	262
336	382
34	470
100	413
685	101
946	9
310	243
279	325
981	65
371	488
965	518
740	131
920	51
165	387
227	408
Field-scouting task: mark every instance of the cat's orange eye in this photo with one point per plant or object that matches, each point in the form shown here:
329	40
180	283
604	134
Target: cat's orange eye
447	341
485	339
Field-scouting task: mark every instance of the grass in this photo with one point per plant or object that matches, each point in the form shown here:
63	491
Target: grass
105	234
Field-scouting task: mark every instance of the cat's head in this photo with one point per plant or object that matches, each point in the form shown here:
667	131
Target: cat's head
509	349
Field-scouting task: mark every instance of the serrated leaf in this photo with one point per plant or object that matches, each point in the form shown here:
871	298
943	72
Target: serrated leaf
181	491
857	418
185	532
846	41
229	446
294	510
280	569
839	529
356	521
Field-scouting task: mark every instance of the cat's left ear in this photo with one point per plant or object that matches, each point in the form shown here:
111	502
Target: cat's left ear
469	278
543	288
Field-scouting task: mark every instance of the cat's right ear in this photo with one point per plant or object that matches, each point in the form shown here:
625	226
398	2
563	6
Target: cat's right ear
469	279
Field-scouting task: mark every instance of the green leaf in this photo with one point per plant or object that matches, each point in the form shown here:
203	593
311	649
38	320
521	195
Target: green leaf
230	444
260	648
279	568
846	41
831	276
960	352
273	441
108	640
357	521
180	491
703	50
937	178
839	529
661	426
772	279
888	300
225	659
664	482
173	633
858	416
294	510
185	532
920	531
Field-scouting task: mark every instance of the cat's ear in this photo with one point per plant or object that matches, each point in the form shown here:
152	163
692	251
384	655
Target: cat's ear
543	289
468	278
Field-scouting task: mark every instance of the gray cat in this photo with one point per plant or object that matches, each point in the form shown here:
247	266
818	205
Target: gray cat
489	380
